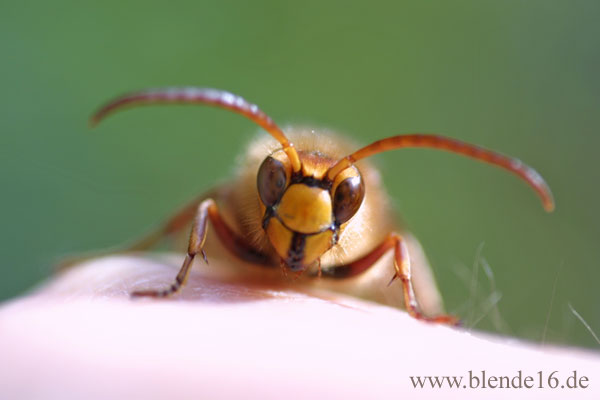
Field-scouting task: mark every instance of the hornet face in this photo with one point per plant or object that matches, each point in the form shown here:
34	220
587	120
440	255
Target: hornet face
303	212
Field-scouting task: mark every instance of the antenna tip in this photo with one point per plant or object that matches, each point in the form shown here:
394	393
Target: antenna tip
94	120
549	206
548	201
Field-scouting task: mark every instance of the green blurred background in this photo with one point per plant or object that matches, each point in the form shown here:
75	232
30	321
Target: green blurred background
519	77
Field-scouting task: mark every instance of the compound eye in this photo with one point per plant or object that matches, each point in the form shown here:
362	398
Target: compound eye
347	199
271	181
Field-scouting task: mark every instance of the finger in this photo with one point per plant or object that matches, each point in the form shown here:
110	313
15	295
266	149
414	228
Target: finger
81	336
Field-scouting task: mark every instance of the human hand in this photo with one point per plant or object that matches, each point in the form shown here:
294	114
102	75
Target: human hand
81	336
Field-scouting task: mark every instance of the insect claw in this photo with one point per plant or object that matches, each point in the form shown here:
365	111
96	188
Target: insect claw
144	293
297	275
204	256
451	320
446	320
320	272
283	268
396	276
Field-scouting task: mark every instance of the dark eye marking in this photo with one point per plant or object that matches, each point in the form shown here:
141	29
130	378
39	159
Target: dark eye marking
271	180
347	198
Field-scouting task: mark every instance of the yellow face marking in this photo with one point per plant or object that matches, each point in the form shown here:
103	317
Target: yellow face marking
305	209
315	246
280	237
312	248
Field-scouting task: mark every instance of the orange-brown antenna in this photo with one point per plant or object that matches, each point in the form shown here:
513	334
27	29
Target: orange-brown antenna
210	97
513	165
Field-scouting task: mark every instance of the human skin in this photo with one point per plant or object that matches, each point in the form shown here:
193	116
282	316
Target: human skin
81	336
